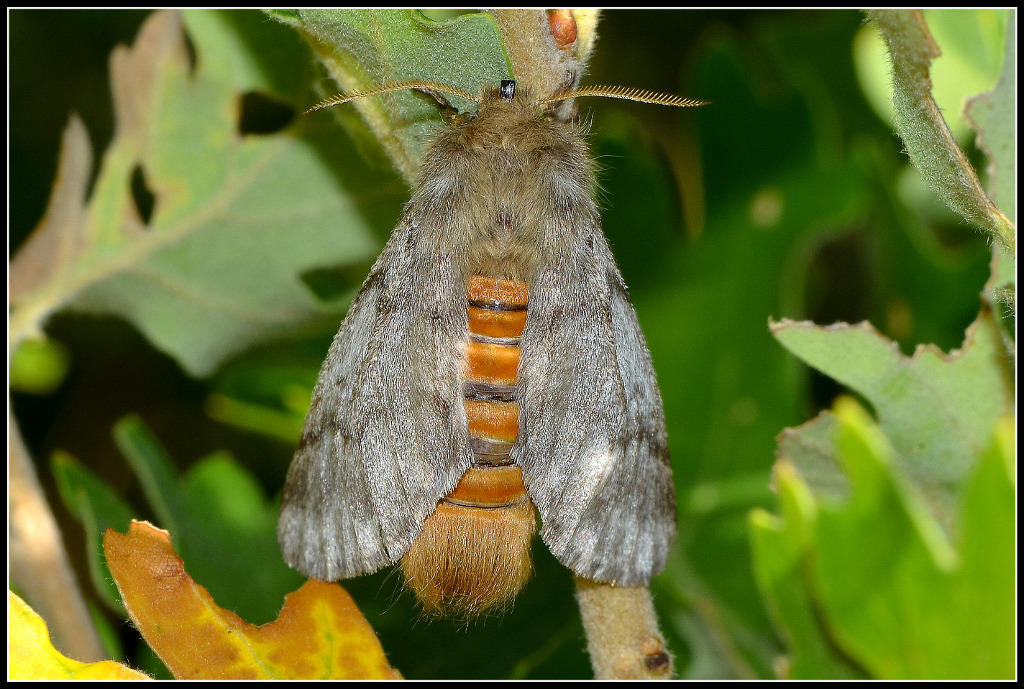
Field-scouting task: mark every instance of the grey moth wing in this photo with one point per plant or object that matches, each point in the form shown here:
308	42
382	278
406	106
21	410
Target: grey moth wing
385	437
593	445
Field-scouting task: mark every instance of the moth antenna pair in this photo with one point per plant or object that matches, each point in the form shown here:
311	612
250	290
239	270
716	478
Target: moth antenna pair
621	92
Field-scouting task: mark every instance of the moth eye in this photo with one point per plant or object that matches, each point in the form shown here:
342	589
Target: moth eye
508	89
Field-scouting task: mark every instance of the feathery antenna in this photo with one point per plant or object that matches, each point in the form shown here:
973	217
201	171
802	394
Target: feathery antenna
626	93
426	86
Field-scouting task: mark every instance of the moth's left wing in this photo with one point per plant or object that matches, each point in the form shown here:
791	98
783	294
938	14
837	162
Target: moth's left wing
592	442
386	435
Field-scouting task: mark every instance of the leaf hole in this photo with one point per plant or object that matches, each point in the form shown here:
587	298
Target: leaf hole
190	54
330	284
837	287
259	114
144	199
824	391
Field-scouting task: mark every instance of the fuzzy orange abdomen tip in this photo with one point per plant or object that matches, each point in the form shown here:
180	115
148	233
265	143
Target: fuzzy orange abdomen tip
473	552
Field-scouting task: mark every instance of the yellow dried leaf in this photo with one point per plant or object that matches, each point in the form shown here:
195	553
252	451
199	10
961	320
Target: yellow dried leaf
30	655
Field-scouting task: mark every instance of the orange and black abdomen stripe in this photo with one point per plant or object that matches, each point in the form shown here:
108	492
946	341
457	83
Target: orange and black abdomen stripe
474	550
497	315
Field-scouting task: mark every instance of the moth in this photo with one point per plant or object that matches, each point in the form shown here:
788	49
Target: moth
491	369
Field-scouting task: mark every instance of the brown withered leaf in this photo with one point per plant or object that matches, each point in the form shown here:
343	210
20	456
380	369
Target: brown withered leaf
320	633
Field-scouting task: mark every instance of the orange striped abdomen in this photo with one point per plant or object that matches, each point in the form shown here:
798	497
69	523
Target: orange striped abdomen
474	550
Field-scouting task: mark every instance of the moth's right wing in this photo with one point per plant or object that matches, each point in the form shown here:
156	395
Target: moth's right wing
385	438
592	441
